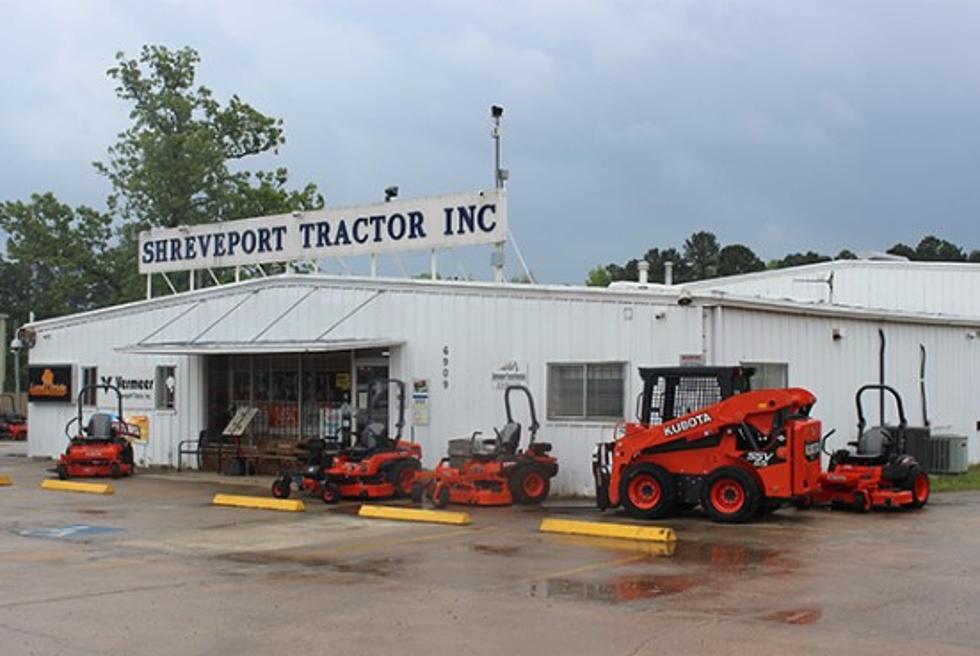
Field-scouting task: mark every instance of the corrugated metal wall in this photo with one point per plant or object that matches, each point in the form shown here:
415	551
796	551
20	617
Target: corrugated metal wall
483	327
834	369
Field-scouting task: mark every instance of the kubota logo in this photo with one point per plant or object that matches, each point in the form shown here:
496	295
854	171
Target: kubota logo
687	424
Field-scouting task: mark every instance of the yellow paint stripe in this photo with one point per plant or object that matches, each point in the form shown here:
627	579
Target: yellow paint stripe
608	530
72	486
261	503
5	480
415	515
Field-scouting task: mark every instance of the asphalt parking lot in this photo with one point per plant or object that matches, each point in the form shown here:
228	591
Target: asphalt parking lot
155	569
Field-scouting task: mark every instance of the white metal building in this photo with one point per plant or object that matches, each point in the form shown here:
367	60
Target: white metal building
297	346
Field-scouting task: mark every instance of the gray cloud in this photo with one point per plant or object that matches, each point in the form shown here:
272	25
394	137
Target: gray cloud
787	126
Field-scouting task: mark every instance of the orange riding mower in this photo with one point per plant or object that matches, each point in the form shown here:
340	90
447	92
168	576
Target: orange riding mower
374	466
879	472
492	472
102	447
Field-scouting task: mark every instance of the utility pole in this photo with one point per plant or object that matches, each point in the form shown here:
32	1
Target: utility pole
499	177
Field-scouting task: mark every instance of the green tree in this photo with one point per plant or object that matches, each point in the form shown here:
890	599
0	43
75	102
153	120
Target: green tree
598	277
902	250
701	251
798	259
845	254
55	258
934	249
179	162
737	258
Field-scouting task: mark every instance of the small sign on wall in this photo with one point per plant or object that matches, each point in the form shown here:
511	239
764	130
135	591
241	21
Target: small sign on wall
50	383
420	402
509	373
142	422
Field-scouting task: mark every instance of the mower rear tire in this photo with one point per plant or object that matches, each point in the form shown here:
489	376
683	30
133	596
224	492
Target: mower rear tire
115	471
402	476
731	496
917	482
647	492
529	485
281	488
330	493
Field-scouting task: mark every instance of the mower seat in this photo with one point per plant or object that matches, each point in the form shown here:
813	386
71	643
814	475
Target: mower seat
509	437
99	427
874	447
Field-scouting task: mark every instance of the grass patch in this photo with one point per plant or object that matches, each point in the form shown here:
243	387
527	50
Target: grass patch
956	482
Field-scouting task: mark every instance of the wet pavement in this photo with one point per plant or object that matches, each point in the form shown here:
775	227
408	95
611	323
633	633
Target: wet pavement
155	569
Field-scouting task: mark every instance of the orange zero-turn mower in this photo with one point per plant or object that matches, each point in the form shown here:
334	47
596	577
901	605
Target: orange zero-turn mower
103	447
375	466
492	472
878	473
702	437
13	425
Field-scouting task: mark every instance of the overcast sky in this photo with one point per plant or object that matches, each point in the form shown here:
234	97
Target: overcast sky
783	125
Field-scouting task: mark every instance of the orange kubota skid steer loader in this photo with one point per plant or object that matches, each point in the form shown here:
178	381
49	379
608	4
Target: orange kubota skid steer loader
703	437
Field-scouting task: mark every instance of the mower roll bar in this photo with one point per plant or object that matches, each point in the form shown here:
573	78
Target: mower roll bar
382	383
902	423
533	428
81	396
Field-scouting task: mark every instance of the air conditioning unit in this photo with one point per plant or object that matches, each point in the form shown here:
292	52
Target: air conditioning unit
937	454
949	454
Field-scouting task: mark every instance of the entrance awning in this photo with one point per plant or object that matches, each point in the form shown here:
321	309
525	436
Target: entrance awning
217	348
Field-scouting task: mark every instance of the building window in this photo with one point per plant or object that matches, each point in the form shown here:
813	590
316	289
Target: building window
166	387
590	391
90	376
769	375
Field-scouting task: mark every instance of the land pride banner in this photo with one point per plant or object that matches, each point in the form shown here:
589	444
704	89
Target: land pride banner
438	222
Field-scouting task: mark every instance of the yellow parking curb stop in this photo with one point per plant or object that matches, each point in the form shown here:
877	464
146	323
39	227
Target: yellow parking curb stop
5	480
415	515
72	486
261	503
608	530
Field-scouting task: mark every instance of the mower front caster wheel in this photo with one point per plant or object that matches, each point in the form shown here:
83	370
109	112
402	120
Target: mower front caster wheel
330	493
418	492
440	496
281	488
62	472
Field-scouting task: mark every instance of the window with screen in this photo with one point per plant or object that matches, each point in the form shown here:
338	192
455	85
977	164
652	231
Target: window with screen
769	375
589	391
90	376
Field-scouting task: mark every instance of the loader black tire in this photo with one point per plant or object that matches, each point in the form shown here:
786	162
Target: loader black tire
731	496
647	492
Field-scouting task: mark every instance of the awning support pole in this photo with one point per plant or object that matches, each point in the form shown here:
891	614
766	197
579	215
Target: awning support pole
433	273
149	286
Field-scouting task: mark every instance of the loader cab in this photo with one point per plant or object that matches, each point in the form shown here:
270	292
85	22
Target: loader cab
671	392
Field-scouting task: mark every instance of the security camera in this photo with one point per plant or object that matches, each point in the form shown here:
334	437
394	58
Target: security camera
684	298
390	192
496	111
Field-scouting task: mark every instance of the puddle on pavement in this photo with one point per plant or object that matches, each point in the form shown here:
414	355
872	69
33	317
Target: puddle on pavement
622	589
733	557
371	566
795	616
93	511
495	550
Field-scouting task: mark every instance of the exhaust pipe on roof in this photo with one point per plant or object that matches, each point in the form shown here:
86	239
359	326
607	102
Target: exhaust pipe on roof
668	273
644	268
